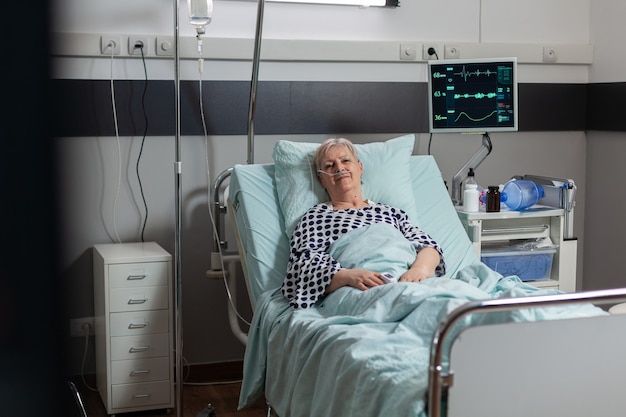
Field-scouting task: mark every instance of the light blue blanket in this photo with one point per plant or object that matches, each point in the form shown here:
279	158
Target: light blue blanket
379	247
366	353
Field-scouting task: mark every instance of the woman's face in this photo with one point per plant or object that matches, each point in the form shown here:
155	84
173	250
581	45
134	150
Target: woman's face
340	172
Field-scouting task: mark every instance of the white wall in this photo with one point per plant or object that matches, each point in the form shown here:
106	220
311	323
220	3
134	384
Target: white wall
90	164
605	224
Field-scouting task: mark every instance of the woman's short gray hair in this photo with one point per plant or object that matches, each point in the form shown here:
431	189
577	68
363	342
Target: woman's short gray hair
327	145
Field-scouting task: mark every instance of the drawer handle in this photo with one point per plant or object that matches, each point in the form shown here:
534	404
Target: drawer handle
137	300
140	372
137	325
520	229
142	395
137	349
136	277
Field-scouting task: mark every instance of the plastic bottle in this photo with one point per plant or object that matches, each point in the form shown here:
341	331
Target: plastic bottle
521	194
470	197
470	177
473	195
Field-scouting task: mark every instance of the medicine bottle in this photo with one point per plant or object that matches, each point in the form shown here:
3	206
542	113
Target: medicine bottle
493	199
470	198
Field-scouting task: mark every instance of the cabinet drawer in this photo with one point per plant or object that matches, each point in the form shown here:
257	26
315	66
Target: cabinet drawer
140	322
145	346
143	394
138	274
140	370
138	298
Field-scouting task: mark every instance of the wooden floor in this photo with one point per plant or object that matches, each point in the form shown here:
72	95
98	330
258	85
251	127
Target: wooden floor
223	396
195	398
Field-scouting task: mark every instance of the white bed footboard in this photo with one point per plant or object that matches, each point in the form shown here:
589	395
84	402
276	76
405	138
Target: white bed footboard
569	367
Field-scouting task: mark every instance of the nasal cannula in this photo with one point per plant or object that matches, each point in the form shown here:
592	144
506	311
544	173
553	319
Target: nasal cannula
336	174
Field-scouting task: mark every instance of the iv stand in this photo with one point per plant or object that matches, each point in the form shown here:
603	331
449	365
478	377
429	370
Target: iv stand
251	113
255	79
178	395
476	159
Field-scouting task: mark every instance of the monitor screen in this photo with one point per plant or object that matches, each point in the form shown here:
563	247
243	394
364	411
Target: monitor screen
472	95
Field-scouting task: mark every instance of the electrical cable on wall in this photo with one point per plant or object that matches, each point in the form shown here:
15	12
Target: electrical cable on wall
119	151
140	45
118	141
431	51
87	331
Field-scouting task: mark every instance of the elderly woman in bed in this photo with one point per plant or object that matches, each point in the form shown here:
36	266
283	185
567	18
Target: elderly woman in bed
324	235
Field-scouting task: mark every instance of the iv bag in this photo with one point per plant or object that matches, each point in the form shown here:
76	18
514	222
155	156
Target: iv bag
200	12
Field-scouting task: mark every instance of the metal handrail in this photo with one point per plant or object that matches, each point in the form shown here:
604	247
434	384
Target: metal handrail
437	379
219	208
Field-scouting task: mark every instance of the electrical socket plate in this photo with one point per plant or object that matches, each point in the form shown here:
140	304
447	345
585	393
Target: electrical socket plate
452	52
105	44
408	51
76	326
134	40
436	46
550	54
165	45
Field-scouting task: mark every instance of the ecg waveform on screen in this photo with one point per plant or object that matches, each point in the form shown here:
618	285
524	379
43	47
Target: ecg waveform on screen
466	74
458	96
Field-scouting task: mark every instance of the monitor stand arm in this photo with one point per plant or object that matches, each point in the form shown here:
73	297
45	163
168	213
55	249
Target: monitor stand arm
476	159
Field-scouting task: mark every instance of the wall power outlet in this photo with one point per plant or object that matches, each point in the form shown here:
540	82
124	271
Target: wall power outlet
76	326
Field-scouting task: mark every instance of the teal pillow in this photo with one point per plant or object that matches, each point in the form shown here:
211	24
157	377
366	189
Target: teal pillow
386	177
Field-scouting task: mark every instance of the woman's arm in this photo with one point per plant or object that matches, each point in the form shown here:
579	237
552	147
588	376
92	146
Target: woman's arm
310	267
425	265
428	252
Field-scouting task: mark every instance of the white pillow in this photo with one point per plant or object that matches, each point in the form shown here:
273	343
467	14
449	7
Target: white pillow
386	177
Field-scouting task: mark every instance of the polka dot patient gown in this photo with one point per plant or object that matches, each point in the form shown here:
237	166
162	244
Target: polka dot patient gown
310	266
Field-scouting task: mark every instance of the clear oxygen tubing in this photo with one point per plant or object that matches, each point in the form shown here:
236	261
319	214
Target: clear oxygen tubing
255	79
336	174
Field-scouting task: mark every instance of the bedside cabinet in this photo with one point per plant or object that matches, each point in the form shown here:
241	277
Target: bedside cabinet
535	223
133	311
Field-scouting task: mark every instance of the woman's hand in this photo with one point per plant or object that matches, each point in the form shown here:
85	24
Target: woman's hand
357	278
417	274
424	266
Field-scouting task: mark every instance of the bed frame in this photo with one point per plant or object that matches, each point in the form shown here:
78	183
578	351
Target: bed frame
573	367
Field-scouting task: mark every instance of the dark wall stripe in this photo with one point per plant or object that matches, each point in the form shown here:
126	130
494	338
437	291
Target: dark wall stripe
607	107
552	107
83	107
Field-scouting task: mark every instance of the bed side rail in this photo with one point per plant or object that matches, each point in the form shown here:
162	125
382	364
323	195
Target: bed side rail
438	379
224	266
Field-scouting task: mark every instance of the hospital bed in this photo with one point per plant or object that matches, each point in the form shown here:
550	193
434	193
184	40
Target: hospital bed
471	343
